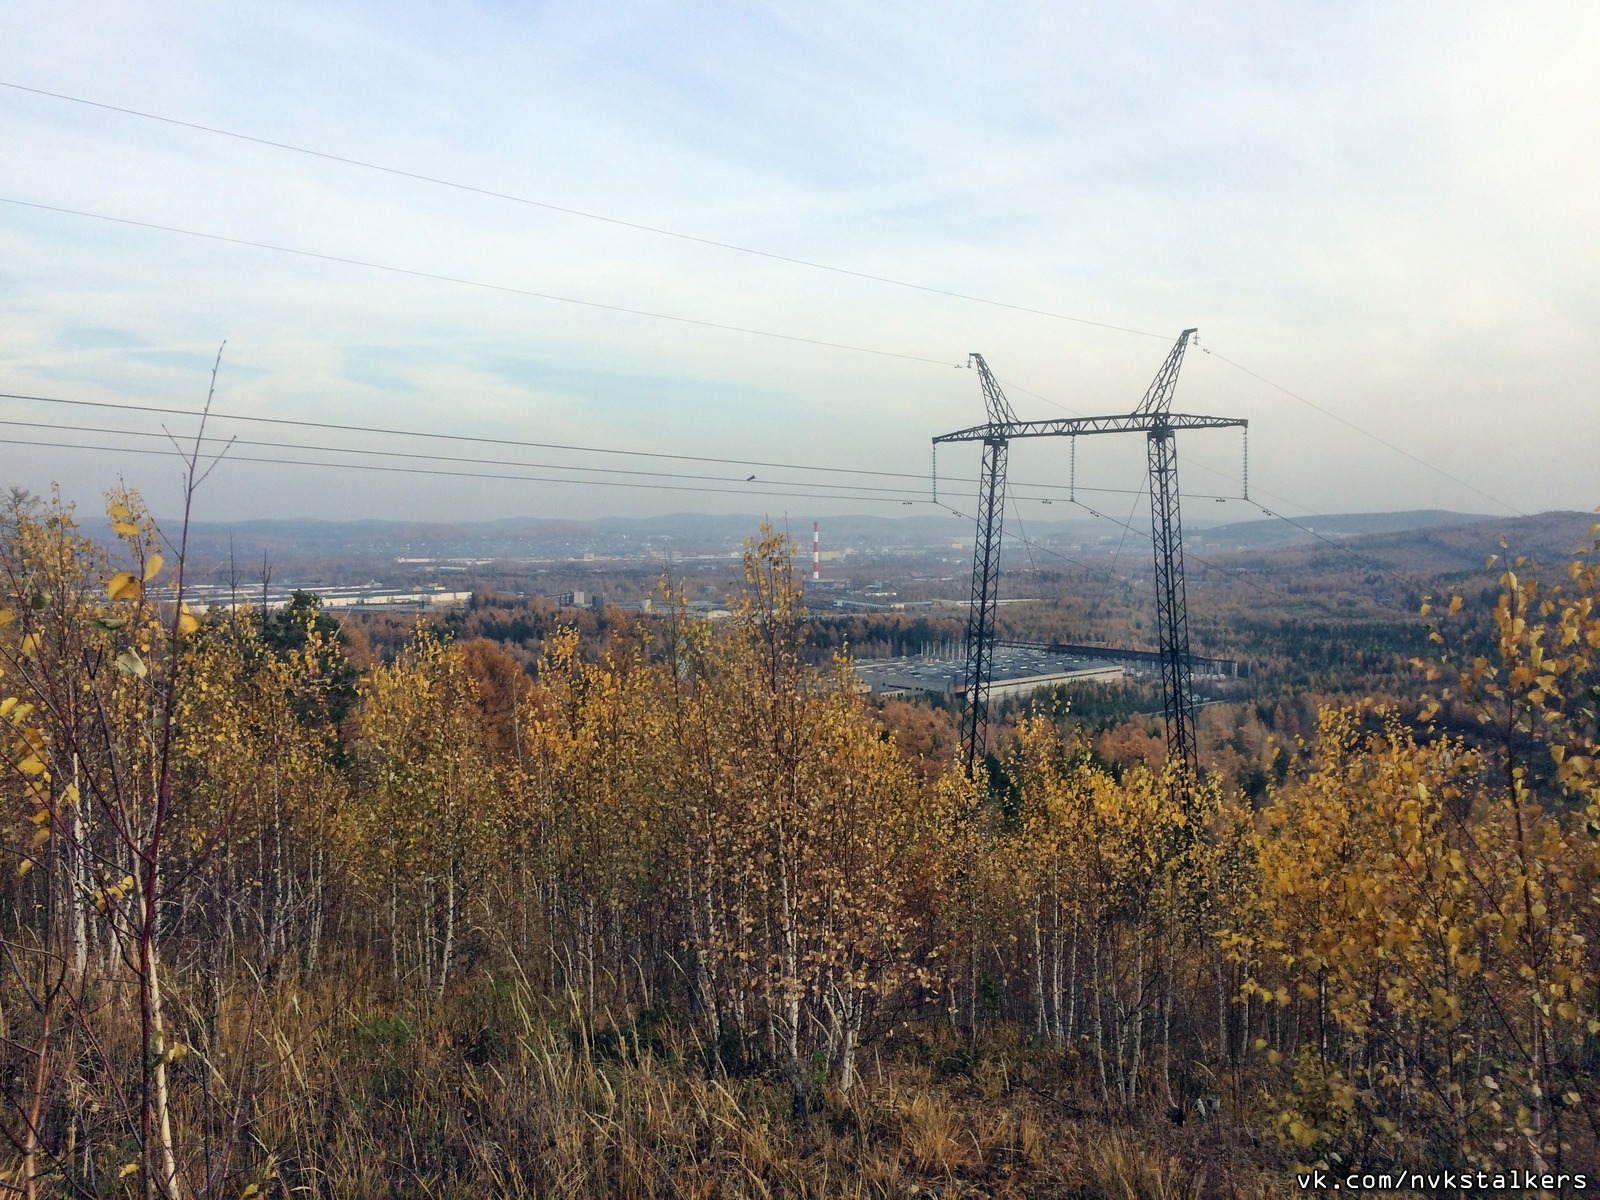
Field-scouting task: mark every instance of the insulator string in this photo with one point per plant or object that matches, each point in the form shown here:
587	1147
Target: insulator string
1245	474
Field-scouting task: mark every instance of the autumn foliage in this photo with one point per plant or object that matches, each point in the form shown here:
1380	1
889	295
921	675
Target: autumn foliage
238	866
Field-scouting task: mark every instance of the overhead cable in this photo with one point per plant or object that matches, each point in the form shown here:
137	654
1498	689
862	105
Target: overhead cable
395	470
648	229
1369	563
1043	549
1333	416
436	181
660	231
451	458
473	283
734	491
164	410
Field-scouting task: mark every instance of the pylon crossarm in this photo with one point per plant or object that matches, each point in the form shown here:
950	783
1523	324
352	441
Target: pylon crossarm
1073	426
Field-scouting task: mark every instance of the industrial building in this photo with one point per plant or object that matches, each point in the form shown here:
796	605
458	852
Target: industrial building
206	596
1017	672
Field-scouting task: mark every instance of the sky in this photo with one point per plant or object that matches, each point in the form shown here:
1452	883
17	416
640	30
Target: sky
1380	217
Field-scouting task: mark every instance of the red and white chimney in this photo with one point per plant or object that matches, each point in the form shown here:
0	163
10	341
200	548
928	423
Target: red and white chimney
816	551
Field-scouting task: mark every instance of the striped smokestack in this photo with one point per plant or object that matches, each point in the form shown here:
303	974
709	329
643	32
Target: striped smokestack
816	551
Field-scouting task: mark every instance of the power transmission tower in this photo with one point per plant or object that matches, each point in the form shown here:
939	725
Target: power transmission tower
985	563
1154	418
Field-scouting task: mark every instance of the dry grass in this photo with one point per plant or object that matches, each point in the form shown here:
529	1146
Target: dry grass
491	1094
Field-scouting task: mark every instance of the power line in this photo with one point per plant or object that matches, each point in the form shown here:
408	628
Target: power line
855	490
163	410
722	327
1190	556
455	474
474	283
1126	527
1311	404
1278	516
1333	416
1109	577
349	466
457	437
1016	512
1028	541
893	495
663	232
419	177
571	212
1016	387
1043	549
449	458
1370	564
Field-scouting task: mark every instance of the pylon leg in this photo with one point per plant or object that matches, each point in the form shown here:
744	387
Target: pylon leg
985	590
1172	607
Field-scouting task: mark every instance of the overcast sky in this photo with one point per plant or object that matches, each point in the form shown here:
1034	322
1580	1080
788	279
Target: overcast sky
1386	209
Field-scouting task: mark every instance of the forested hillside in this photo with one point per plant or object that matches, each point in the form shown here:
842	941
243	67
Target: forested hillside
675	912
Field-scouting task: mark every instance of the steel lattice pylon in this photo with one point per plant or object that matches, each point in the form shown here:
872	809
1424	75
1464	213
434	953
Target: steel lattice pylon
985	567
1152	418
985	592
1172	604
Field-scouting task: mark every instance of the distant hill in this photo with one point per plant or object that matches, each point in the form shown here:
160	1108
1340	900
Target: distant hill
1421	540
1270	533
1548	539
1430	548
